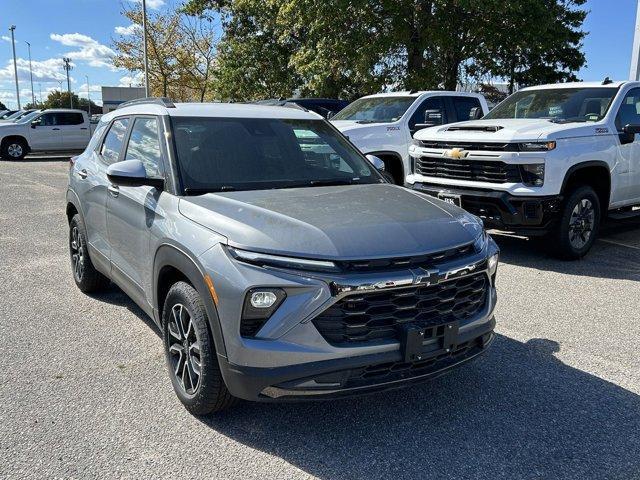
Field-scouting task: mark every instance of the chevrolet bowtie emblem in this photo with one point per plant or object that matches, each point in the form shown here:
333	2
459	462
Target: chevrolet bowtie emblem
456	153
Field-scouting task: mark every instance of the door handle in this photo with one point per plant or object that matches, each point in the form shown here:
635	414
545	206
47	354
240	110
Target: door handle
114	190
83	173
83	128
55	129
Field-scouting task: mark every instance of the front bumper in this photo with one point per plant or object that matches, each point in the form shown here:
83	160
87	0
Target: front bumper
290	358
503	211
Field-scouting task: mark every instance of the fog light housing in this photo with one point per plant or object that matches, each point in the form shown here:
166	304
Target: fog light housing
532	174
259	305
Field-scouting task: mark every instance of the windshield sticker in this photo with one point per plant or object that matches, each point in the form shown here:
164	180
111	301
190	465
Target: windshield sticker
601	130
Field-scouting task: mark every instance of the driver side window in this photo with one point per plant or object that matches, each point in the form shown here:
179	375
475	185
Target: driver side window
629	111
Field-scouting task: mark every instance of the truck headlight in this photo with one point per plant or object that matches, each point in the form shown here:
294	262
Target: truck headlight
492	264
532	174
536	146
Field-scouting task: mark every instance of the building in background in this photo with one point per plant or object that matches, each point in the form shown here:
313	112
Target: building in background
114	96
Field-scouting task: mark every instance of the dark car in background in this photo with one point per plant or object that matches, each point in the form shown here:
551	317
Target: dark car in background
327	107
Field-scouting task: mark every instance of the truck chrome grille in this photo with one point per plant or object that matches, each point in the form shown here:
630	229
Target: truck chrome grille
375	316
477	170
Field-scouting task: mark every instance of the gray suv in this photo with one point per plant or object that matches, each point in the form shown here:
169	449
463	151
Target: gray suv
274	258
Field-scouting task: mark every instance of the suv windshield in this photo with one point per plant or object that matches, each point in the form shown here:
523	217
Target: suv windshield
556	104
226	154
375	109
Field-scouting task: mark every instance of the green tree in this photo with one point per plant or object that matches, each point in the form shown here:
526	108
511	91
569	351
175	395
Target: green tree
59	99
351	47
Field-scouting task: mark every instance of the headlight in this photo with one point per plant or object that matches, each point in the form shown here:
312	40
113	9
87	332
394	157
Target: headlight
268	260
536	146
480	242
492	264
532	174
415	142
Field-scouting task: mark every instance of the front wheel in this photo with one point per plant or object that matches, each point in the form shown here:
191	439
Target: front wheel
579	223
191	355
87	278
15	149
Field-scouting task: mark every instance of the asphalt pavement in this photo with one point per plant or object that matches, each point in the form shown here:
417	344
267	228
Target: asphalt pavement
86	394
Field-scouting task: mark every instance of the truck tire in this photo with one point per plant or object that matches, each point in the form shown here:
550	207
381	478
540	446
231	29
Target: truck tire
191	354
14	149
85	275
578	225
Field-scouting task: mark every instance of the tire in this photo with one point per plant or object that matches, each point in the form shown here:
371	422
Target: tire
14	149
388	177
578	225
87	278
185	329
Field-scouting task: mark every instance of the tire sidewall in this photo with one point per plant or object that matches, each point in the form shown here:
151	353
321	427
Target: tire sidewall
76	222
186	295
577	195
5	149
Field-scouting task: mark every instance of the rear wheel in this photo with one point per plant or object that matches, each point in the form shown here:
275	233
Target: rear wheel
191	355
14	149
579	223
87	278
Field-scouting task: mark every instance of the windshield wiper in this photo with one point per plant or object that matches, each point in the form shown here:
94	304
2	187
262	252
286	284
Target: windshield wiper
330	182
202	191
372	121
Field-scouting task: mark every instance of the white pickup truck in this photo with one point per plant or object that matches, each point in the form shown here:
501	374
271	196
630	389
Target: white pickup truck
383	124
53	130
550	160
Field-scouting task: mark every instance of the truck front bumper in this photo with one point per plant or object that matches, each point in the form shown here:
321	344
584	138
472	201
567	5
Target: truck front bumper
529	216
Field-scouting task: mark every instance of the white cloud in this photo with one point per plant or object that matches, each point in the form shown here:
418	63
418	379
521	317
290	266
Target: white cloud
88	50
153	4
6	38
135	80
44	71
130	30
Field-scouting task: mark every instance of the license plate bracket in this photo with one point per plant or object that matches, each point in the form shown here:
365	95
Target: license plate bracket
451	198
412	338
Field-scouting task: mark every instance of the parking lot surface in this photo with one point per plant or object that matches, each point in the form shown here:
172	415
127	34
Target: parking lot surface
85	393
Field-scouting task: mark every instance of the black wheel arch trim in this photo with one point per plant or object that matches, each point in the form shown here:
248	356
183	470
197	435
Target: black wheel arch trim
171	255
9	137
72	198
581	166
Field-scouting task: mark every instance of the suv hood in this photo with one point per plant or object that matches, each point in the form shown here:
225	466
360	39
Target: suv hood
341	222
508	130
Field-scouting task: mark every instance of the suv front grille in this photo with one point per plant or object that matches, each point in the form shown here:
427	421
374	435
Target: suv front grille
477	170
376	316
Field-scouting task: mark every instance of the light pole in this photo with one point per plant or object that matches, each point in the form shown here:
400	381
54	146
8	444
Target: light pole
88	95
33	96
634	73
15	65
67	68
40	89
144	48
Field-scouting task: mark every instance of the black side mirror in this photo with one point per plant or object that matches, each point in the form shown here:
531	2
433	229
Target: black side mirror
631	129
475	113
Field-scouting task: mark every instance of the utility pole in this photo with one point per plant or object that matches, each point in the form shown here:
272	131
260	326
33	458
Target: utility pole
40	88
88	95
15	65
67	68
33	96
144	48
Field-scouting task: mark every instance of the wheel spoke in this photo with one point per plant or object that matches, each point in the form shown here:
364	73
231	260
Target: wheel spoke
174	332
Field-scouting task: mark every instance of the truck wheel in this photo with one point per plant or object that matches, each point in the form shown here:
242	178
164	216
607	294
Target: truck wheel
579	223
87	278
14	149
191	354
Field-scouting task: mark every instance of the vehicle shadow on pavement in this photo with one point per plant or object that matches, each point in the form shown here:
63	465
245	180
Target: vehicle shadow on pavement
605	260
518	412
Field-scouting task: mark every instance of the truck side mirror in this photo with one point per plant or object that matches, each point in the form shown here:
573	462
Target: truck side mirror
36	123
475	113
631	129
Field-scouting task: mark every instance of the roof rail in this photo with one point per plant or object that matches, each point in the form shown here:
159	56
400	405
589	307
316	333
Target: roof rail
162	101
607	81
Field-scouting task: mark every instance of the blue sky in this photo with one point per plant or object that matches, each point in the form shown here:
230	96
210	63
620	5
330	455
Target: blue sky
84	30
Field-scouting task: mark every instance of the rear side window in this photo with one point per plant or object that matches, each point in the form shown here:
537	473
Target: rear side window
463	107
70	118
112	144
144	145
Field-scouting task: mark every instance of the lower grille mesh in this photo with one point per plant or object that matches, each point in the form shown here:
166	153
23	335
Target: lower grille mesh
375	316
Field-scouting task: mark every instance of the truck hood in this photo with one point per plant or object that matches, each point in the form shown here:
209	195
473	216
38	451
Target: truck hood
337	222
508	130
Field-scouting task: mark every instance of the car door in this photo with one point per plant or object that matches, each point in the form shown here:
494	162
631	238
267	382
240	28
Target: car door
627	168
45	133
75	133
427	108
132	211
93	176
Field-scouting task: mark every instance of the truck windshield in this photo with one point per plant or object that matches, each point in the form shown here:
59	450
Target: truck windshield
376	109
556	104
227	154
28	117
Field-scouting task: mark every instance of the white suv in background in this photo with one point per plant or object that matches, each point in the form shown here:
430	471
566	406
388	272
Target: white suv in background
383	125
